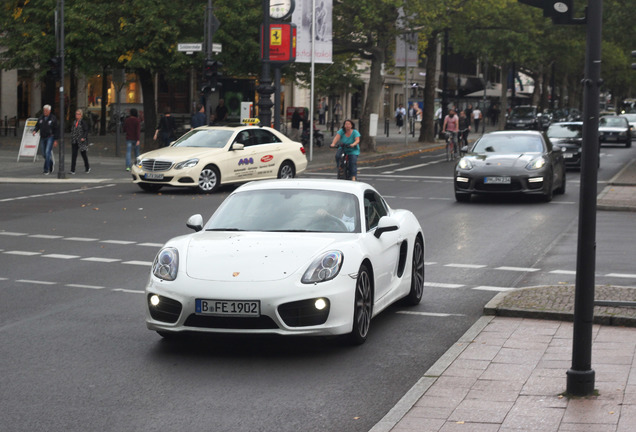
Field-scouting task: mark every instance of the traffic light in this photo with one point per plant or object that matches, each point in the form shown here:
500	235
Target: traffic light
561	11
211	72
55	68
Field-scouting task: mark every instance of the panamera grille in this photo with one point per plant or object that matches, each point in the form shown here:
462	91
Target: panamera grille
155	165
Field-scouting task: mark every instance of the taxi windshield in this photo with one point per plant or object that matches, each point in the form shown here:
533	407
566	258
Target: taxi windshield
208	138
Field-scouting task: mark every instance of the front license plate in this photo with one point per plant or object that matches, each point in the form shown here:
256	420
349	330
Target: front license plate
568	155
238	308
154	176
497	180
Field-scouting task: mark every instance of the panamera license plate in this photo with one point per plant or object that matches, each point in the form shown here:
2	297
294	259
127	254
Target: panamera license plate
153	176
237	308
497	180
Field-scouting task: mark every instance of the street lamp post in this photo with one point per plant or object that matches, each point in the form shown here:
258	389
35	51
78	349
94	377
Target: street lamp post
265	88
61	173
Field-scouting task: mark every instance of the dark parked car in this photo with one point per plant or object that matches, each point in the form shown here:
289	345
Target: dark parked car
526	117
569	137
614	129
511	162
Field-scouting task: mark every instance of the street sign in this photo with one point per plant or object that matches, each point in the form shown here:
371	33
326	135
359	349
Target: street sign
217	47
190	47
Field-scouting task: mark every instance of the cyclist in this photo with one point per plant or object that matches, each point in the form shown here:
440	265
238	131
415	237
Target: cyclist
349	139
464	129
451	125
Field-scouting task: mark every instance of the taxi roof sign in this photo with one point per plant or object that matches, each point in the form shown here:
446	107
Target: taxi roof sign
251	121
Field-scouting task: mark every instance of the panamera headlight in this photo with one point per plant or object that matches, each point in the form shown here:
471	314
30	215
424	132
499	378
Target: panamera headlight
324	268
166	264
186	164
538	163
465	164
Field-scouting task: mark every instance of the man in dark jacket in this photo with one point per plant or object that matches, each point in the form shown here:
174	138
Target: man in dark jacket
132	128
198	118
49	130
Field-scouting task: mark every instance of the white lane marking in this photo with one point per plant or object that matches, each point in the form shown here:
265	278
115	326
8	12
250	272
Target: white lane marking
141	263
81	239
14	234
45	236
24	253
492	288
1	278
128	290
564	272
120	242
98	259
472	266
411	167
442	285
85	286
519	269
430	262
61	256
36	282
621	275
432	314
150	244
67	181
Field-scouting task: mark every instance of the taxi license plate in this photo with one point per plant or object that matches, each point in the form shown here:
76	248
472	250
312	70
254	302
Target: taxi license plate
237	308
154	176
497	180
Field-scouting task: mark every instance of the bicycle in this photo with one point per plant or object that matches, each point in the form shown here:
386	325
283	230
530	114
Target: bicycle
452	149
342	163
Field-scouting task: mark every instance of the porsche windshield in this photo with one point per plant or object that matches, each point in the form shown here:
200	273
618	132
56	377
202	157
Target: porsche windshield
210	138
288	210
512	143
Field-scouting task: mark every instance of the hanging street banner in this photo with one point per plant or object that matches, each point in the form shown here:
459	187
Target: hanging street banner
302	17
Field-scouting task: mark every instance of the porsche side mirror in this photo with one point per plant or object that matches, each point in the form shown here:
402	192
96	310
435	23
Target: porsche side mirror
385	224
195	222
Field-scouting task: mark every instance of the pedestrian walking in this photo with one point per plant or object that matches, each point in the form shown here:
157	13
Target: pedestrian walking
79	141
400	113
477	118
198	118
165	130
437	120
49	130
295	125
132	129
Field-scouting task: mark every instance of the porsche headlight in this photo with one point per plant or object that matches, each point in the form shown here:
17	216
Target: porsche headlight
536	164
465	164
186	164
166	264
324	268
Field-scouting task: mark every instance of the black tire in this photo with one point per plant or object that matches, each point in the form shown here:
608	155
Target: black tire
628	144
362	307
549	193
286	170
417	274
209	179
149	187
561	189
462	197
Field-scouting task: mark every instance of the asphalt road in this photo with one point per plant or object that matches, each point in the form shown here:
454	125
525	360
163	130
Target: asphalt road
76	355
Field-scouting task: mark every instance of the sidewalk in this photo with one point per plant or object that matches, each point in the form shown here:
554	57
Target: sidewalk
507	373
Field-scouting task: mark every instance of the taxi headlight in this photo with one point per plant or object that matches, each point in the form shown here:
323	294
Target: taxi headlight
324	268
166	264
186	164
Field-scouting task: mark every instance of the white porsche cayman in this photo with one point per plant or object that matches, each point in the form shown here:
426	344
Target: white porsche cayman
207	157
289	257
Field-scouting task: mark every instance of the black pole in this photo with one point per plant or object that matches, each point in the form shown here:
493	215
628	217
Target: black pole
61	173
265	88
445	76
580	377
277	100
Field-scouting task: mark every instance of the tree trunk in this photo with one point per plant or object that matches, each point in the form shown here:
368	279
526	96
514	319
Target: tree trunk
150	110
372	101
427	130
102	120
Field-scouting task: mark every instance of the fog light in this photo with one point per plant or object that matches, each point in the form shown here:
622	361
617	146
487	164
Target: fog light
154	300
462	179
535	180
320	304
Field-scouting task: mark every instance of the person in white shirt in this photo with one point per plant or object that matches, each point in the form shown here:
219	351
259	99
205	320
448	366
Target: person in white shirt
400	113
476	114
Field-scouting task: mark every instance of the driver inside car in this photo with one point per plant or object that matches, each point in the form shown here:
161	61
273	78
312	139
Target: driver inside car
343	210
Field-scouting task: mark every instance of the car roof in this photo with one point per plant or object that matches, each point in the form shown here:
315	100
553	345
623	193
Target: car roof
578	123
515	132
354	187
